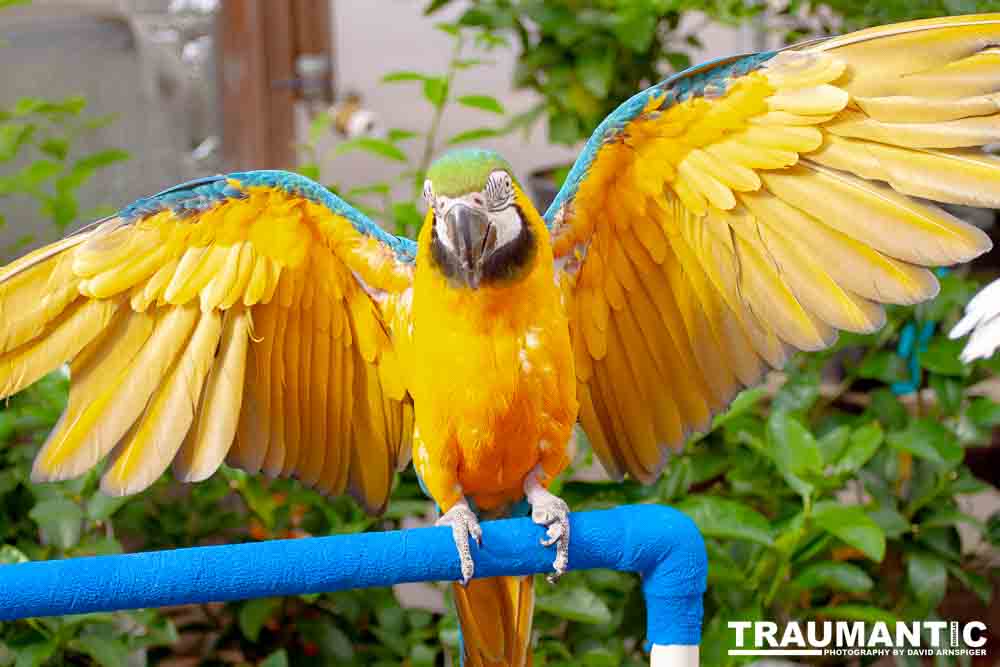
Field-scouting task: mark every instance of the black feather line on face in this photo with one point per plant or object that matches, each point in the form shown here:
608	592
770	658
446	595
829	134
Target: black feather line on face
511	261
444	260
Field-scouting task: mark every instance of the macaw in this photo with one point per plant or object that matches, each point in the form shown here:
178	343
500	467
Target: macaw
714	224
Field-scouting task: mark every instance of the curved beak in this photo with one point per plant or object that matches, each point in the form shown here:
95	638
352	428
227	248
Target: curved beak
471	229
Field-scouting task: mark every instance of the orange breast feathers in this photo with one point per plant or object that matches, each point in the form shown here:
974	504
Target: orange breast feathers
493	380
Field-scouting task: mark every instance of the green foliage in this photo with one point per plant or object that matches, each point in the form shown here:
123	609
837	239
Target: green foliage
584	58
437	90
38	159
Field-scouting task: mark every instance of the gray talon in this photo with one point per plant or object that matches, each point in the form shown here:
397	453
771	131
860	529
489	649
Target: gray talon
463	523
552	512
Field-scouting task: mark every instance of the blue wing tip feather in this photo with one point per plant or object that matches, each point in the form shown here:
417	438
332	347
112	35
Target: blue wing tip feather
203	193
694	81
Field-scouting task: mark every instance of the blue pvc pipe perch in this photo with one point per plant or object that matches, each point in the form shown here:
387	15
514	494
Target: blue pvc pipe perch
660	543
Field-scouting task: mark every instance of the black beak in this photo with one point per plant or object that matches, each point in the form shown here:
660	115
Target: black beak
470	227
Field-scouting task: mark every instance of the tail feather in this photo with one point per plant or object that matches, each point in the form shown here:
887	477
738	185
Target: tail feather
495	615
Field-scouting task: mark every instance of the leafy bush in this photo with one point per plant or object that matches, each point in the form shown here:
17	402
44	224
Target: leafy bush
584	58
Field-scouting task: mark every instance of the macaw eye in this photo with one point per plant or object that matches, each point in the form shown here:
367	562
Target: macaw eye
499	191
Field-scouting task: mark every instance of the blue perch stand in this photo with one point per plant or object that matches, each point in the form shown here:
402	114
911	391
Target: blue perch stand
660	543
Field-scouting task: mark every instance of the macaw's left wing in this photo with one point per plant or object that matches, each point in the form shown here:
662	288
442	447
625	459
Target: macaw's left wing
247	318
750	207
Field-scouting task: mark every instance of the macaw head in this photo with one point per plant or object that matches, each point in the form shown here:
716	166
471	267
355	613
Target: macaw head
481	235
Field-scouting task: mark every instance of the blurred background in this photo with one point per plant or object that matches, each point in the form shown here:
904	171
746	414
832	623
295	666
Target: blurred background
859	484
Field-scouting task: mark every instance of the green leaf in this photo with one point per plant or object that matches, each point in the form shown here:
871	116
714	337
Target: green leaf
397	77
885	366
319	126
942	357
993	529
254	614
578	604
309	171
62	208
978	584
744	402
852	525
335	646
928	439
371	145
861	447
56	147
468	63
833	443
473	135
636	30
35	653
799	393
382	189
102	159
885	406
60	521
948	391
984	412
595	70
435	5
892	523
791	445
564	128
37	173
950	516
277	659
104	650
436	90
834	575
678	60
11	555
927	577
10	3
100	507
484	102
727	519
394	135
406	216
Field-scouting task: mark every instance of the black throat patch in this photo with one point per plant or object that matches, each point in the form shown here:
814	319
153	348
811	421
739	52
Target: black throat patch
506	264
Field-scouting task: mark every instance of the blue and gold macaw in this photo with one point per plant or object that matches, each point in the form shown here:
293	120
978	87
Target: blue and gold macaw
714	224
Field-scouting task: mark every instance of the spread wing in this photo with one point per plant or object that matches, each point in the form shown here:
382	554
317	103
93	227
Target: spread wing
246	318
753	206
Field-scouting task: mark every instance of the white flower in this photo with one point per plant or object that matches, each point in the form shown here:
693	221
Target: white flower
982	318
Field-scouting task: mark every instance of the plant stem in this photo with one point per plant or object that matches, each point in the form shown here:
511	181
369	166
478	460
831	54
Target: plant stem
430	140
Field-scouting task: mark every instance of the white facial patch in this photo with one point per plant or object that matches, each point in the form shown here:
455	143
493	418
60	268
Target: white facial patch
507	224
445	233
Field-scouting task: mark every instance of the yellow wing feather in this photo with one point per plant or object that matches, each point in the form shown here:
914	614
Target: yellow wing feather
722	232
242	332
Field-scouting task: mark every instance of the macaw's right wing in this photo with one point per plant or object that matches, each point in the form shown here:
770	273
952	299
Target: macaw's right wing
751	207
246	318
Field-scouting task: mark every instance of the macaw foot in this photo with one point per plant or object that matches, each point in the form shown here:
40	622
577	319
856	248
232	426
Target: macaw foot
552	512
463	523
